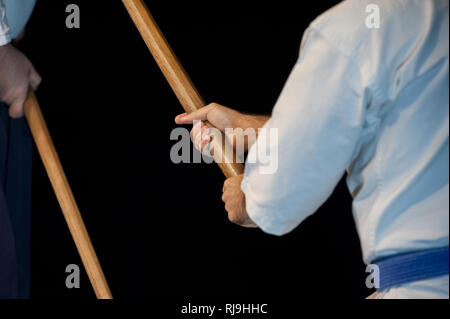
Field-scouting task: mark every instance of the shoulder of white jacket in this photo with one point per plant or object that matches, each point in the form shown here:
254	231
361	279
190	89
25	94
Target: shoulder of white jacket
346	24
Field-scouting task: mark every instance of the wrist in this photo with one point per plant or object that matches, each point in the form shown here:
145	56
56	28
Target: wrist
252	121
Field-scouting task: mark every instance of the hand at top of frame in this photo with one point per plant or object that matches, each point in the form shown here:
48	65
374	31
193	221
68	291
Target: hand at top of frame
17	75
222	117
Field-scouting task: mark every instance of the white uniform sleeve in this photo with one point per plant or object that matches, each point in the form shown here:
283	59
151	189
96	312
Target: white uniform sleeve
319	117
5	37
18	13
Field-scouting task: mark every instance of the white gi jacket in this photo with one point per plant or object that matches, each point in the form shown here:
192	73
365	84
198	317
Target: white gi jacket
373	102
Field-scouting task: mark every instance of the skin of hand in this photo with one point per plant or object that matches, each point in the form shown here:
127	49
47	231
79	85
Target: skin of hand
234	200
223	117
17	75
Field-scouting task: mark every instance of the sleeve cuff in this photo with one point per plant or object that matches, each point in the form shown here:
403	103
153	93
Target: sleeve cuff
264	217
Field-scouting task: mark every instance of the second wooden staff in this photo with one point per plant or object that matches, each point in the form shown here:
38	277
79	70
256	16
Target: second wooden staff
65	197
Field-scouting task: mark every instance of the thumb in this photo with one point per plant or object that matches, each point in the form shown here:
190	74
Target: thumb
35	79
16	107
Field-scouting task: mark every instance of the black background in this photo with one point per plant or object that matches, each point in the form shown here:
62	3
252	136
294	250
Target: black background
160	228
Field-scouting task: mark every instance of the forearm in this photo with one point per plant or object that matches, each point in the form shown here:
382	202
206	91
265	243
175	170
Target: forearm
252	121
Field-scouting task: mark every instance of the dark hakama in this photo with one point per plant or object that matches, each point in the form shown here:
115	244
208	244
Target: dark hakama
15	206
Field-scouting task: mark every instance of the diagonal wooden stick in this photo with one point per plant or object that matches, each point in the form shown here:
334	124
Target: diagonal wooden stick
179	81
65	197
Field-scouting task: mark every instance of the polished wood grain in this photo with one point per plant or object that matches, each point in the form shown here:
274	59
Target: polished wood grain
178	80
65	197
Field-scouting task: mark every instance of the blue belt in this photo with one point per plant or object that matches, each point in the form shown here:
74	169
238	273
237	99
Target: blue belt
404	268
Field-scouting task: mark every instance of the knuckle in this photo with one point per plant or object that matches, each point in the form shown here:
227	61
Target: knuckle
214	106
233	218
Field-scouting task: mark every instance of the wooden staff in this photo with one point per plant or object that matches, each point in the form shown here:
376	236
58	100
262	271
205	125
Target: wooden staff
178	79
65	197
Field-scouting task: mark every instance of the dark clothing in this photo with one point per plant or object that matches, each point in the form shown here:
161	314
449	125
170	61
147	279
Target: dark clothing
15	206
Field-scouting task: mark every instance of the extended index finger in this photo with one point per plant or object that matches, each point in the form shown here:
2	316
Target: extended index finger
200	115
